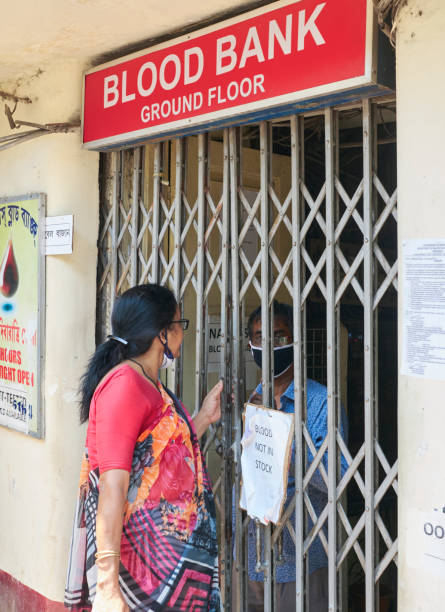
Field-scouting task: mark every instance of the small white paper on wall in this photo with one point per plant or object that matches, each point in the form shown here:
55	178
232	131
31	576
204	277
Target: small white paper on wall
59	235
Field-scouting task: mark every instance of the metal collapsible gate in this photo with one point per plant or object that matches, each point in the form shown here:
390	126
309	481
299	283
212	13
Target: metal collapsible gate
300	210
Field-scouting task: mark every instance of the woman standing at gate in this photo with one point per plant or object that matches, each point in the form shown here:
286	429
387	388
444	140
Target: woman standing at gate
144	535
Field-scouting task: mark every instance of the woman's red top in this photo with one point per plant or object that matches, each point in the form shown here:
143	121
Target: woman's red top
123	406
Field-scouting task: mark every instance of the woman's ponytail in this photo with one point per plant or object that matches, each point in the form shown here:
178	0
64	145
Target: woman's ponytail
139	315
106	357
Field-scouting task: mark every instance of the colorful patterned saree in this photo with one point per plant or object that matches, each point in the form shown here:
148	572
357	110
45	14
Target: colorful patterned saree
169	556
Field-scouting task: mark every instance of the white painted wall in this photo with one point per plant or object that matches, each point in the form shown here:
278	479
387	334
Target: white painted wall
38	479
36	33
421	214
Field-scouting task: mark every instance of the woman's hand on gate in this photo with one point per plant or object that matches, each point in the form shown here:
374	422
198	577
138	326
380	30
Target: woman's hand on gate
210	410
211	406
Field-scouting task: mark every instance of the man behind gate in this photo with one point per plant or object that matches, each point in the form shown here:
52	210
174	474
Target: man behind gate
316	423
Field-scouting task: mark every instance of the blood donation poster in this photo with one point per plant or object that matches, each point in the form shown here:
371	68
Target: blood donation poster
21	299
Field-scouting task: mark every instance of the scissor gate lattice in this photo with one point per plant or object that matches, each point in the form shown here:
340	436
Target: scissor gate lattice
302	210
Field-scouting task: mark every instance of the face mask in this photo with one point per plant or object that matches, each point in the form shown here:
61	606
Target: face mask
168	358
283	357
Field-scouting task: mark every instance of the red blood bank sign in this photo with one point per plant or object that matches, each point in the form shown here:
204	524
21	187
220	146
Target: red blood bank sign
264	61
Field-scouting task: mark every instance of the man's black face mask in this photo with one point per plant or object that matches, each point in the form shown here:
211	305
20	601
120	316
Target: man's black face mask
283	357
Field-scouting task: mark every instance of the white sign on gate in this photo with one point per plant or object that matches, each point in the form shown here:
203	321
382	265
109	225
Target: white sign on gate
266	446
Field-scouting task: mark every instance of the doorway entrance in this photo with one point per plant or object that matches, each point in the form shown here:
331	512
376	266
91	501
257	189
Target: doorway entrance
302	211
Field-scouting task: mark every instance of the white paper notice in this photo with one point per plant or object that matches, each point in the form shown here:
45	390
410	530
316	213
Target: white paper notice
426	541
424	309
266	445
59	235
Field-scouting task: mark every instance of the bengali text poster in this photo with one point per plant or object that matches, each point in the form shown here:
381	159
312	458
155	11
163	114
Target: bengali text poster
21	296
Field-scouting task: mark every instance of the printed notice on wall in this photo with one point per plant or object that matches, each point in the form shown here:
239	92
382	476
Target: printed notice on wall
426	540
266	446
21	296
59	235
424	309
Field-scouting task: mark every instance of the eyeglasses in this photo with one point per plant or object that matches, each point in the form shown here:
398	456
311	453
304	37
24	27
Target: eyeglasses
184	323
282	340
278	340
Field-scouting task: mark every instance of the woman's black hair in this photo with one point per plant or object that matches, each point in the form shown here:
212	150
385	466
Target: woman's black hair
139	316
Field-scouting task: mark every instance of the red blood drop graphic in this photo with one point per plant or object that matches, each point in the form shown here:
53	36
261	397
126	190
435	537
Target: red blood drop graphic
9	273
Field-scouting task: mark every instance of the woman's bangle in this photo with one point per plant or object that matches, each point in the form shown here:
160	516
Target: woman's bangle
104	554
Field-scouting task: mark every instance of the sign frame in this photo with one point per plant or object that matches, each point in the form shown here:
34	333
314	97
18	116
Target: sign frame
39	433
304	100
